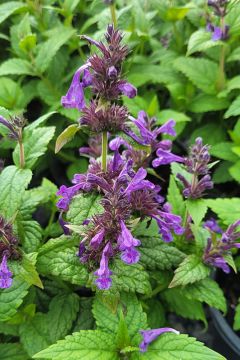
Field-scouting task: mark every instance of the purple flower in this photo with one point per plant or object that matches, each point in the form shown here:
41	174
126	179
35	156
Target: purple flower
67	194
63	224
151	335
97	239
130	256
138	182
127	245
168	128
213	226
5	274
218	33
128	89
104	280
165	157
112	72
75	95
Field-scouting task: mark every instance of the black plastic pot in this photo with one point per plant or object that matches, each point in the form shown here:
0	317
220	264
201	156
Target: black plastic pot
226	342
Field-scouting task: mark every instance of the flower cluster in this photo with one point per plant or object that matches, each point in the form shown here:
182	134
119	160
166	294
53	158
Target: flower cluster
14	125
218	32
197	165
217	249
8	243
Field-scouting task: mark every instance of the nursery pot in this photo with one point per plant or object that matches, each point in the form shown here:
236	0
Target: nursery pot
226	342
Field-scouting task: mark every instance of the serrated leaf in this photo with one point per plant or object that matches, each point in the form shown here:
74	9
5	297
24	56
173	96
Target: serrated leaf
203	103
82	207
175	198
49	49
162	257
108	319
40	121
62	312
189	271
26	270
201	72
9	7
183	306
85	319
201	40
228	210
13	182
234	109
87	344
208	291
58	258
235	171
173	347
30	233
66	136
35	145
130	278
11	94
12	351
197	209
12	298
16	67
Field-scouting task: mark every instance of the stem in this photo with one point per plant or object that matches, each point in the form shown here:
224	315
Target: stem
21	150
104	151
113	14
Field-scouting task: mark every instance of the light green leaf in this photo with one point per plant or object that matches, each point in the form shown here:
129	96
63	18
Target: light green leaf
26	270
13	183
87	344
130	278
12	351
66	136
12	298
197	209
11	94
176	13
30	233
107	318
172	347
189	271
228	210
236	325
16	67
35	145
234	109
201	72
167	114
204	103
58	258
49	49
208	291
201	40
175	198
235	171
224	151
9	7
40	121
211	134
82	207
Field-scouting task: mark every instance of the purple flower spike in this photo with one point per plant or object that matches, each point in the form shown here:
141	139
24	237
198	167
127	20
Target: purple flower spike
128	89
165	157
5	274
151	335
75	95
168	128
112	72
104	281
97	239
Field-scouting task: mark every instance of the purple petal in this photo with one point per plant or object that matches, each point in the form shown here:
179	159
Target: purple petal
125	239
151	335
103	283
130	256
112	72
217	33
87	78
165	157
63	224
168	128
5	274
97	239
128	89
116	143
138	182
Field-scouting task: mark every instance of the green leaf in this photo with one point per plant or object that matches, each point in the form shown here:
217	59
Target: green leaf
30	233
16	67
201	72
211	134
40	121
176	13
26	270
12	351
9	7
165	115
235	171
85	320
208	291
189	271
197	209
58	258
224	151
35	145
234	109
12	298
130	278
236	324
178	303
175	198
49	49
87	344
107	318
13	182
203	103
62	312
155	314
66	136
160	256
172	347
82	207
11	94
201	40
228	210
